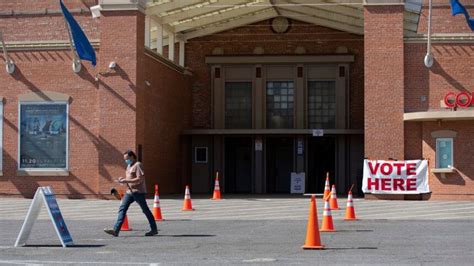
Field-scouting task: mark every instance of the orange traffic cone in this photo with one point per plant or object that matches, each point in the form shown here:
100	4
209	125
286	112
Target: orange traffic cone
327	225
187	206
125	226
217	189
333	200
327	189
156	206
350	212
313	239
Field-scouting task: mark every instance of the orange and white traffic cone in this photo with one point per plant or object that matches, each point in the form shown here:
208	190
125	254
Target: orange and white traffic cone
350	211
156	206
217	190
327	189
327	225
313	239
333	200
187	206
125	226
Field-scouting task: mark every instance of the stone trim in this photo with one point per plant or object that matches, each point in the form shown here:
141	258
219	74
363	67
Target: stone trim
443	170
270	132
444	134
44	11
439	115
44	96
42	173
123	5
296	59
43	45
384	2
441	38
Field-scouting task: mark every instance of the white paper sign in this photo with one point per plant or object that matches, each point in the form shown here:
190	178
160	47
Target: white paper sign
258	145
318	132
297	183
44	195
395	177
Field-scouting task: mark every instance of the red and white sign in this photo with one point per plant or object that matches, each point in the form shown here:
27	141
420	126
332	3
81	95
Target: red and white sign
395	177
461	99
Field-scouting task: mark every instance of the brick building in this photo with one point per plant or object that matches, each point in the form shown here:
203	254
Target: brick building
240	92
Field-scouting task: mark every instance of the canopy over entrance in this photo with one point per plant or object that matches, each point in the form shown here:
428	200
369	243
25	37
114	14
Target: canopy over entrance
189	19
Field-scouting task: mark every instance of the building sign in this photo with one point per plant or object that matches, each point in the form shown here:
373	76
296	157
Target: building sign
258	145
299	147
462	99
297	183
44	195
395	177
318	132
43	135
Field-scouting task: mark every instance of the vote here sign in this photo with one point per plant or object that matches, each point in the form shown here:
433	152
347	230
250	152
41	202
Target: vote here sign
395	177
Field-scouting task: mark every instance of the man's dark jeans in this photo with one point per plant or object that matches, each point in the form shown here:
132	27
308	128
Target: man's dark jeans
129	199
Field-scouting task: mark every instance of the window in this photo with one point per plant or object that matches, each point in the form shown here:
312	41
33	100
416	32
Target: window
200	155
238	105
444	153
43	137
280	103
322	104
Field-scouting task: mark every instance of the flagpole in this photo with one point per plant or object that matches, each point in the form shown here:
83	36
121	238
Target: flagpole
76	62
429	57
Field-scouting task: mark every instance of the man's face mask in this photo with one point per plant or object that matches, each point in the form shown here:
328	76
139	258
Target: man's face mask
128	162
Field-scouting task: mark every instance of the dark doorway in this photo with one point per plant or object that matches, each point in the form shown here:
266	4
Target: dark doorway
321	159
279	158
238	165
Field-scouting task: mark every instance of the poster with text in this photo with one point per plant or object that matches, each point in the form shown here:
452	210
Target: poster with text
43	136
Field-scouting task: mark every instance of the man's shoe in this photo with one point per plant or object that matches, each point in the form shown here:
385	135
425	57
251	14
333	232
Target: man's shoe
151	233
111	232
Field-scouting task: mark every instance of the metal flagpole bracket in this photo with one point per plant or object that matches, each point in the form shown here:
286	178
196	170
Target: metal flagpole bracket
76	65
9	65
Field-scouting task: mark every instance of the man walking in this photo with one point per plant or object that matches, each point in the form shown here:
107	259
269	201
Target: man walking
136	190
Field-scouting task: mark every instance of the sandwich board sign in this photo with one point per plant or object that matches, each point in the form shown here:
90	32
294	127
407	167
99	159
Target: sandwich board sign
44	195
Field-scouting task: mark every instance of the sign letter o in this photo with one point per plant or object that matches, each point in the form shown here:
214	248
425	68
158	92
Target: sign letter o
447	98
459	101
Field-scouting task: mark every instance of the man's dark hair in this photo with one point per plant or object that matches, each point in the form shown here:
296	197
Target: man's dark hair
130	154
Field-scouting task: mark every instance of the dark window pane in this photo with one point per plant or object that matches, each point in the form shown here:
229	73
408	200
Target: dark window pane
238	105
321	104
280	104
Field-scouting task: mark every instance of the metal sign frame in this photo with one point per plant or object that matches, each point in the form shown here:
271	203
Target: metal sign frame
33	212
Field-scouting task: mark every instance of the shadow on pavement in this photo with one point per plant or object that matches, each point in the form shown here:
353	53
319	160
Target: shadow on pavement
59	246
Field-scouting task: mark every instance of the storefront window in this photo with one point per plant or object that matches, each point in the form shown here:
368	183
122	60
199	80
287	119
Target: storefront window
238	105
444	153
43	136
280	104
322	104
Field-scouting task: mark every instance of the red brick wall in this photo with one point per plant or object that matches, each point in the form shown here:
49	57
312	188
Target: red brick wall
384	82
241	41
441	20
51	71
43	27
122	41
40	71
459	185
167	109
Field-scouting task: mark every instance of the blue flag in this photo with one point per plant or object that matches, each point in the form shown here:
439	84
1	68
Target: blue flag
458	8
83	46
